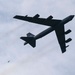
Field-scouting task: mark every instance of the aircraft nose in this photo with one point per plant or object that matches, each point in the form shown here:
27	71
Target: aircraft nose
72	16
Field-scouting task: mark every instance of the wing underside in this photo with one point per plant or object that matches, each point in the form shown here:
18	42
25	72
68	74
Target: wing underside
60	33
42	21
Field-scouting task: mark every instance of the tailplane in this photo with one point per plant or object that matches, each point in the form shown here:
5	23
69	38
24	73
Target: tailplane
29	39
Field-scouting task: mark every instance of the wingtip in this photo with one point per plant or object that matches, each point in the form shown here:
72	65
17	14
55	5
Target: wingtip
64	50
22	38
14	17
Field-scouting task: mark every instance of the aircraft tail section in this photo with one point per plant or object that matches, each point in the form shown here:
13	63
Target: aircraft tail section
30	35
29	39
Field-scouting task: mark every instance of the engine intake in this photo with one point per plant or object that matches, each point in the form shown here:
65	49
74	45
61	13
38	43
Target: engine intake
67	46
36	16
50	17
68	40
68	31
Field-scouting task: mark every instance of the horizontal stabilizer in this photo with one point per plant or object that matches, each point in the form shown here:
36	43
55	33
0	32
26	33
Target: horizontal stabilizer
30	40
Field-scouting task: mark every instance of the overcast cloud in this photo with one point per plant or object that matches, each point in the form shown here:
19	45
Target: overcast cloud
46	58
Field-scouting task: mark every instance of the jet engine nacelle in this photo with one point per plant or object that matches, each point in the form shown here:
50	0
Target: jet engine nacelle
36	16
67	46
50	17
68	40
68	31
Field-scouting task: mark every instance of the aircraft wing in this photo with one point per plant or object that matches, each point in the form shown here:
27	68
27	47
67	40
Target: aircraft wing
60	32
43	21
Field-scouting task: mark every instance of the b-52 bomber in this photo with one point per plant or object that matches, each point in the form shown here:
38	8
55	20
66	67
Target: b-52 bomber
54	24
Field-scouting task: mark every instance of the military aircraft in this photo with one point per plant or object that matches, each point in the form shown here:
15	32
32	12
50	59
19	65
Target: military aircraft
54	24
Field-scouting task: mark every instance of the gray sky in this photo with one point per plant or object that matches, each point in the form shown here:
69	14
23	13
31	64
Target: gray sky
46	58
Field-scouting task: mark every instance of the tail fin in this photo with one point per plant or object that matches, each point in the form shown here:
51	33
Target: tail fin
30	35
29	39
